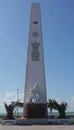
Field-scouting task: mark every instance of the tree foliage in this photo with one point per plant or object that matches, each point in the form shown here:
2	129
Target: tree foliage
18	104
10	109
52	104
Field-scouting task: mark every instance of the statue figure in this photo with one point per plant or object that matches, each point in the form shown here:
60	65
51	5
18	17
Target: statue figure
34	93
9	109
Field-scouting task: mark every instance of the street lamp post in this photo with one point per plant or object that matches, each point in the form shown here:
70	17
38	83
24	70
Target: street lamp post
17	101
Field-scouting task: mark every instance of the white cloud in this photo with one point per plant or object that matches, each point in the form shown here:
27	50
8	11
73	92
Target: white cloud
21	96
70	102
72	98
8	97
13	87
11	95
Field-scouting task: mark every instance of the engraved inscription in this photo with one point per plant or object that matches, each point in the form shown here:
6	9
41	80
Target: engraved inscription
35	55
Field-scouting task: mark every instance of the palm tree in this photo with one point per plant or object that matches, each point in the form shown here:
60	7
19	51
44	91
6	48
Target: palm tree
62	108
51	104
10	108
19	104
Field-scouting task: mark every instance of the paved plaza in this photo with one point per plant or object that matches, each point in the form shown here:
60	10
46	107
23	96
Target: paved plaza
38	127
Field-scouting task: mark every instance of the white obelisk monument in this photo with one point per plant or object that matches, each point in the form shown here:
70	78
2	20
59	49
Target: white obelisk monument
35	99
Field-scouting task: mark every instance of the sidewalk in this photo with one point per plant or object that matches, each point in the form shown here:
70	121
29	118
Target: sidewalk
38	127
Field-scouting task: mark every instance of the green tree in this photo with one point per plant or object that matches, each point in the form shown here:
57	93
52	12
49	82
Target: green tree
61	109
9	109
19	104
52	104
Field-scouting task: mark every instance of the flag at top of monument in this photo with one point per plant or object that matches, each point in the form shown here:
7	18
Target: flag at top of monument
35	85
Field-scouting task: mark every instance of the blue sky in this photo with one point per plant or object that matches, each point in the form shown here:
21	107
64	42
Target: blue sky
58	41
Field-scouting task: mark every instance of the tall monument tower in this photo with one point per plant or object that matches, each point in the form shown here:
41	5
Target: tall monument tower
35	100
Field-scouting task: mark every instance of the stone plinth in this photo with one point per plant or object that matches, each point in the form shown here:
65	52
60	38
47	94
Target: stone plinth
36	110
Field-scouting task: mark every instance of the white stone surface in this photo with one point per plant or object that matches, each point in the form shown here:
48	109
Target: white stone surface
35	71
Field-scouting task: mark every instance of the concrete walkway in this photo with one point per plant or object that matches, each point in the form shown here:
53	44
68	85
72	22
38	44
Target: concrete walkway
38	127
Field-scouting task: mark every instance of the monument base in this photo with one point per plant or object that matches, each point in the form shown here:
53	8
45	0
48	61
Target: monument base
36	110
37	122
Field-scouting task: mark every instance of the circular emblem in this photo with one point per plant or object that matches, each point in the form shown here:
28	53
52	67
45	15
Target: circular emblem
35	34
